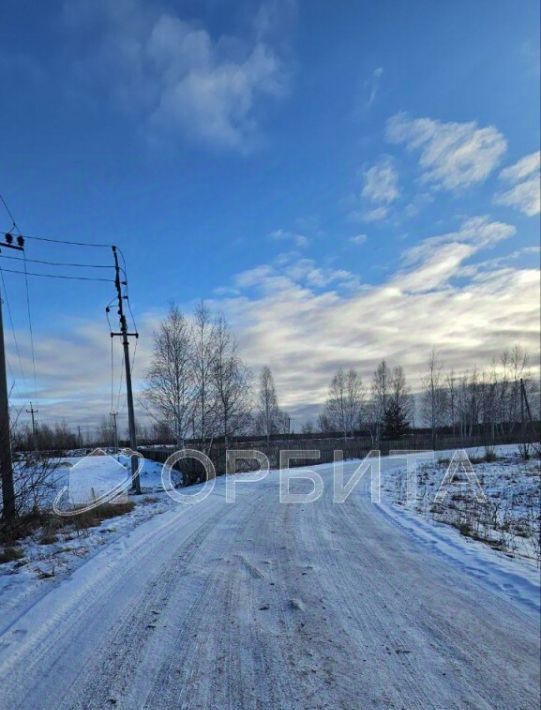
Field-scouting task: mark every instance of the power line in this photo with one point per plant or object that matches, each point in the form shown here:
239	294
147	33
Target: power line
58	276
136	482
30	328
122	407
12	325
10	214
112	375
49	239
59	263
126	290
66	241
9	510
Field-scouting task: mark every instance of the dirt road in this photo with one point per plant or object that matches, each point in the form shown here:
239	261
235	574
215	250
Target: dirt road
263	604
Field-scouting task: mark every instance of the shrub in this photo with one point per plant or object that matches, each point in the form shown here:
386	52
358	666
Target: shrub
10	554
95	516
26	525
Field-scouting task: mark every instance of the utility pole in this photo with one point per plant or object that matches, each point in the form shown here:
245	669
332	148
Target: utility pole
524	401
129	393
524	404
32	412
115	430
6	466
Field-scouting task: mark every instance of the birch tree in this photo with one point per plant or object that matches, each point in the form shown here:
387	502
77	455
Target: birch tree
231	383
434	400
203	354
381	381
169	388
451	398
344	404
268	413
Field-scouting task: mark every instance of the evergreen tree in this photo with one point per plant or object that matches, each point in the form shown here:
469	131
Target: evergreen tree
395	423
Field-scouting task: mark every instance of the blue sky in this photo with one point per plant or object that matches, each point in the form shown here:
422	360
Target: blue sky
346	181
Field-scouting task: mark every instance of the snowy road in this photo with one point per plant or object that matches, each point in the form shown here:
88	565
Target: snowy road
262	604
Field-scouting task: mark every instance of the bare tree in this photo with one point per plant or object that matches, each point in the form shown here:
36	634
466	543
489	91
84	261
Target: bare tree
231	381
345	401
203	354
323	423
106	431
434	398
268	414
161	432
490	404
514	365
451	399
381	382
170	375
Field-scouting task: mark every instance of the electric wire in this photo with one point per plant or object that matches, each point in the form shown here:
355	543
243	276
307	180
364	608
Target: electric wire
122	408
59	263
12	326
58	276
27	273
31	330
112	376
131	314
16	226
125	270
10	214
66	241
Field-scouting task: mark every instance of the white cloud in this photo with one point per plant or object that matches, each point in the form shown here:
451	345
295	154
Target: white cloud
373	215
380	182
281	235
452	155
306	319
371	87
438	259
358	239
379	190
305	333
288	269
174	73
525	167
478	232
524	191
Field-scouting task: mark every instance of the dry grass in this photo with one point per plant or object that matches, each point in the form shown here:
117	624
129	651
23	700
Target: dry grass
51	524
95	516
10	554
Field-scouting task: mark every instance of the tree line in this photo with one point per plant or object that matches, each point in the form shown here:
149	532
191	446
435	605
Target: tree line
498	400
198	387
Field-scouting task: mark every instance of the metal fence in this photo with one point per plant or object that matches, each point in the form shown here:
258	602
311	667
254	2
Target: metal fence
351	448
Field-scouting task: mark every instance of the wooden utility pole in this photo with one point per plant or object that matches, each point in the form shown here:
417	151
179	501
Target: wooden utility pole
115	430
129	393
524	401
524	404
6	465
33	412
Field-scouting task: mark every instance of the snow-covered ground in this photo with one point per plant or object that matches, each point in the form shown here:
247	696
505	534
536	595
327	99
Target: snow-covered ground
266	604
495	539
48	556
505	516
